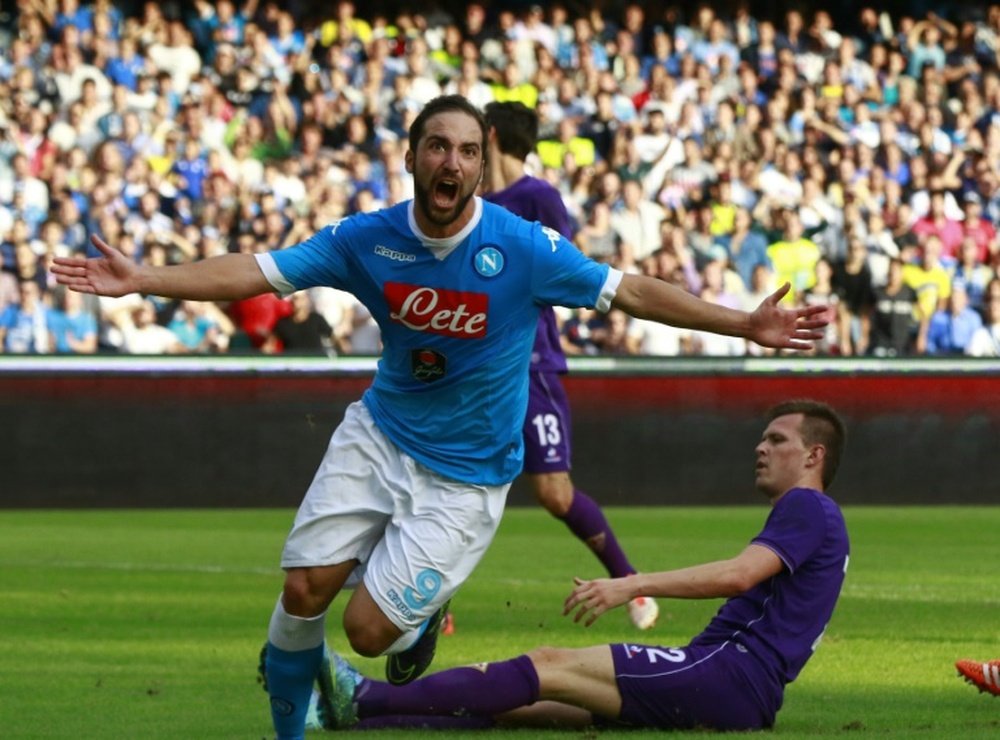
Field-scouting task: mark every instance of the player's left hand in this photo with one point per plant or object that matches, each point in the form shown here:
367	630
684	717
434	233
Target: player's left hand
591	599
786	328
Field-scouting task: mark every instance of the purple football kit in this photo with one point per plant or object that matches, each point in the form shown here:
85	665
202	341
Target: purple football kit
733	674
458	318
547	426
547	441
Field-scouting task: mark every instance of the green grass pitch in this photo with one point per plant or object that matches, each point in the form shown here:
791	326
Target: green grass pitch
147	624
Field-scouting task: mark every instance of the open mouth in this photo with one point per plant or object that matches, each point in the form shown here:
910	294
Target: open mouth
445	193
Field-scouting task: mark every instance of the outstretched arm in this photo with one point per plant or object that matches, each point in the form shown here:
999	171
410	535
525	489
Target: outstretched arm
226	278
769	325
722	578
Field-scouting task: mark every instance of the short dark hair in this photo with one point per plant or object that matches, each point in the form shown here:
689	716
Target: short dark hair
516	126
445	104
820	425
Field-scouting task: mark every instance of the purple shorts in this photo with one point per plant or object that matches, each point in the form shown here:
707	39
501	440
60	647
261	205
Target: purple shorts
719	687
547	425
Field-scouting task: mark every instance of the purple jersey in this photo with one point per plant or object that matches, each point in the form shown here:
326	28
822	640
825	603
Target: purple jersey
535	200
781	620
732	676
547	427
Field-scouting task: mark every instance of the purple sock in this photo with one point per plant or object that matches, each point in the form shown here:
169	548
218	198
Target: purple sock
586	520
482	691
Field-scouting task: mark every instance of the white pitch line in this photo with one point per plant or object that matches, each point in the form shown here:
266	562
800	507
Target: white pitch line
158	567
195	568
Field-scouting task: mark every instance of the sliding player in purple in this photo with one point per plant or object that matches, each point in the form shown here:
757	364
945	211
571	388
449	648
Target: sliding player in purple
412	486
780	592
513	134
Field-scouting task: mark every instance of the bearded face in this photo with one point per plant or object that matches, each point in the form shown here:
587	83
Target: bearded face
447	167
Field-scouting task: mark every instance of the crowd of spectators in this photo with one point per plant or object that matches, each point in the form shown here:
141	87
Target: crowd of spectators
725	153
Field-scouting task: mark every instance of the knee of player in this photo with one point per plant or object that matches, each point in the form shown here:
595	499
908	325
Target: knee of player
554	492
368	638
300	598
547	657
553	671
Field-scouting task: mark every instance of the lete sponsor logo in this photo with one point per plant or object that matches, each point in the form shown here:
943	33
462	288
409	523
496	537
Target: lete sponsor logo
452	313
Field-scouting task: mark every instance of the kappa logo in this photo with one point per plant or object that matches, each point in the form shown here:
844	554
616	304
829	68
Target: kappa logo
396	599
489	261
553	236
452	313
394	254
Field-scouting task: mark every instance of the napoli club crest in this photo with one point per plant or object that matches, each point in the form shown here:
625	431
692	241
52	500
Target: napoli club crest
427	365
489	261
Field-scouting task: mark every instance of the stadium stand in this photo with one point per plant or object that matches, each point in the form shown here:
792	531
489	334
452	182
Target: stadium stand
718	150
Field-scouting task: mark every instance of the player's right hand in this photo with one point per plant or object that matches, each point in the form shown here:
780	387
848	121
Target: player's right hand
113	274
590	599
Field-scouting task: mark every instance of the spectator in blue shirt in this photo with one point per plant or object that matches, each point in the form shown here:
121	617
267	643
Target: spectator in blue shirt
73	327
924	44
190	170
71	14
287	40
746	246
715	46
126	68
951	329
662	54
24	325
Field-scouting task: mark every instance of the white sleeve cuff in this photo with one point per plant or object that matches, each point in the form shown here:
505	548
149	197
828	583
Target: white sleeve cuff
608	291
267	265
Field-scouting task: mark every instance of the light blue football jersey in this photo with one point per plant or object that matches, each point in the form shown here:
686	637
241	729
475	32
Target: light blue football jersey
458	320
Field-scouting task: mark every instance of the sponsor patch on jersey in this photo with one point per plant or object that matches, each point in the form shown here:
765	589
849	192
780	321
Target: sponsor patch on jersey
488	261
427	365
394	254
452	313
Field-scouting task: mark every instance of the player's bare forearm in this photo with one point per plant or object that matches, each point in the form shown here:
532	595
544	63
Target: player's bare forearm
718	579
648	298
224	278
769	325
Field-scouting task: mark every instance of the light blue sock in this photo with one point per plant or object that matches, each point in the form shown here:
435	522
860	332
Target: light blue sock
294	655
290	677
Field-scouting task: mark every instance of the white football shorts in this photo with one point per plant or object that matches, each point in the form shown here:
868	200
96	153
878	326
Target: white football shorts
416	534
